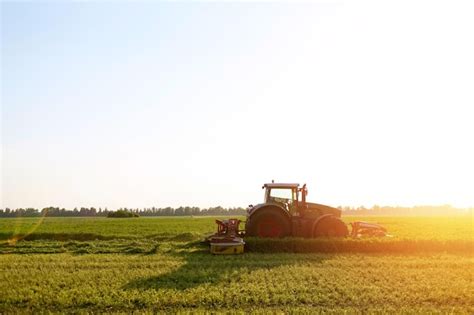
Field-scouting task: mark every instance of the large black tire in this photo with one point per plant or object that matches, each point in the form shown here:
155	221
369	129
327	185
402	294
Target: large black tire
269	223
330	227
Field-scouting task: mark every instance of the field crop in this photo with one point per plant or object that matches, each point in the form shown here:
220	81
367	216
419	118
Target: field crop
435	227
158	264
140	235
104	228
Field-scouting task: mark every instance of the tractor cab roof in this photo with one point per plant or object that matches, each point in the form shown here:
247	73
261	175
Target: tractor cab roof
280	185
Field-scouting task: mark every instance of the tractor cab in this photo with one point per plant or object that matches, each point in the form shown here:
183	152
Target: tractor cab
289	195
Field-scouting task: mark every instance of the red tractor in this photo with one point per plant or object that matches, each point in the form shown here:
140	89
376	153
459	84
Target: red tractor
285	212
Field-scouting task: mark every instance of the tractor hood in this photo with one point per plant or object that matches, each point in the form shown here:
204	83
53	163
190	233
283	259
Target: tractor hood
323	209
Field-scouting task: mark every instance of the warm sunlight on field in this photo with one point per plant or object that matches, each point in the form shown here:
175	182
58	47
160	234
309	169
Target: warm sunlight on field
425	267
458	227
181	281
236	157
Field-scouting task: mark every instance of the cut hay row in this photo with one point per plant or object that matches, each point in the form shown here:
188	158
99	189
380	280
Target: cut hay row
372	245
193	242
182	237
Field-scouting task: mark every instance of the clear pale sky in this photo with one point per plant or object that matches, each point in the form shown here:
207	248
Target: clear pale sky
115	104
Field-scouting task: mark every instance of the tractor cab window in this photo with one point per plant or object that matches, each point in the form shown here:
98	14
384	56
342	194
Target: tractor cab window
282	194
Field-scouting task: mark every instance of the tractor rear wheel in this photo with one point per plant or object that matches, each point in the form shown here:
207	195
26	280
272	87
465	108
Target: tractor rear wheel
269	223
330	227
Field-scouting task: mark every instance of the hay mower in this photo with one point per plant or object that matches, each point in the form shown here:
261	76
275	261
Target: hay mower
286	213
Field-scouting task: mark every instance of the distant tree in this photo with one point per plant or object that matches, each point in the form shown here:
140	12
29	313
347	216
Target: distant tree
122	214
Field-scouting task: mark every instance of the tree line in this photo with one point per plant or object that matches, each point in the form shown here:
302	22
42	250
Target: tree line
217	211
103	212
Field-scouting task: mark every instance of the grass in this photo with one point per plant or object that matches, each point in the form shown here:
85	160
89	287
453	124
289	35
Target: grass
177	281
105	235
103	228
159	265
440	228
428	228
373	245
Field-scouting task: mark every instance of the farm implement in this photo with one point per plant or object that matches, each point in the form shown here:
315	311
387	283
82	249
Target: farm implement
286	213
228	238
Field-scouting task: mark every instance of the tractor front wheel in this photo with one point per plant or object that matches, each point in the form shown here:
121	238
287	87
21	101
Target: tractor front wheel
269	223
330	227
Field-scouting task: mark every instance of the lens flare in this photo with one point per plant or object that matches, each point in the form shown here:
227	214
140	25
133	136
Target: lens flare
18	235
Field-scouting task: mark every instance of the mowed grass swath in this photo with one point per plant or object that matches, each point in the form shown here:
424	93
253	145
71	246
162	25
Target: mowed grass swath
409	234
159	264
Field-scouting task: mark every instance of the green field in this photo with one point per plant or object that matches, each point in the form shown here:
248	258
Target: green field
158	264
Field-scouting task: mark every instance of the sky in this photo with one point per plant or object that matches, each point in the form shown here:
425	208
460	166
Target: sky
140	104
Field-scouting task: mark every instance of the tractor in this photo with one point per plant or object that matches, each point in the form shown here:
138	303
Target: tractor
285	212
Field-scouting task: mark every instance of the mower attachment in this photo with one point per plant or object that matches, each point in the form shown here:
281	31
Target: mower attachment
227	240
360	228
